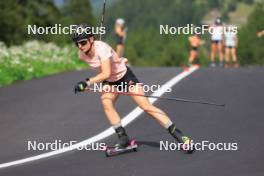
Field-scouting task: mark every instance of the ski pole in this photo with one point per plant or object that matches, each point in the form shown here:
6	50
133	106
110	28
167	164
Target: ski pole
102	18
162	98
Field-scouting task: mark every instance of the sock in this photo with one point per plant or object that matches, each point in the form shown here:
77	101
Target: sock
117	125
120	131
168	124
176	133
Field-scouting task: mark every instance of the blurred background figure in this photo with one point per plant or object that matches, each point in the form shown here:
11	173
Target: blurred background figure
195	41
231	42
260	33
120	31
217	39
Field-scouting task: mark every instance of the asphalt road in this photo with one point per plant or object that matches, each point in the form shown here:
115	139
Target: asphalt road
46	110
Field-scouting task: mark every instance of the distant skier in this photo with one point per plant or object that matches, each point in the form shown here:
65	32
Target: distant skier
217	42
231	42
120	31
195	42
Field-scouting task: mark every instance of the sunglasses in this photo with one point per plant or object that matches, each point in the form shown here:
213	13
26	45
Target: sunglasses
82	43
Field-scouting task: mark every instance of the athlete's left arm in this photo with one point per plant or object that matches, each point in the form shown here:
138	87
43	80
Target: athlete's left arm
105	72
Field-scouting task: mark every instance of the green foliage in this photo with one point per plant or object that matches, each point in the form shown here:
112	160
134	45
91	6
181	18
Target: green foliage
251	47
78	12
16	15
11	29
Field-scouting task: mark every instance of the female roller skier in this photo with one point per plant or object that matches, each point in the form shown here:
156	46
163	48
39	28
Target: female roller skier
112	71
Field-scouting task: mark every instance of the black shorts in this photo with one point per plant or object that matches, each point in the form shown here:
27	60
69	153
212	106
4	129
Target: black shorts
216	41
127	80
119	40
230	47
194	48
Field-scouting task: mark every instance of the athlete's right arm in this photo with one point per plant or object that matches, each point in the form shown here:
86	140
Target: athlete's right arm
105	72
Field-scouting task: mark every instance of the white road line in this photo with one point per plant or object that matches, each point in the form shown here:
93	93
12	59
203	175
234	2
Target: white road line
108	132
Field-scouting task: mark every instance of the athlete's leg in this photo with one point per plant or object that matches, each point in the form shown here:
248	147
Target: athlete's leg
190	60
220	53
108	101
227	53
195	55
213	50
234	57
192	57
152	110
157	114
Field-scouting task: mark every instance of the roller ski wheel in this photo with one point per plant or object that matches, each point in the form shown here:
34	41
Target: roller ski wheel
117	149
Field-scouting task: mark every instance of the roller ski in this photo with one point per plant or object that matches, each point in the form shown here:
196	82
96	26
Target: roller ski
118	149
124	145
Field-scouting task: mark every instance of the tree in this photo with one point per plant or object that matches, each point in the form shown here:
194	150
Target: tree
251	47
11	22
16	15
78	12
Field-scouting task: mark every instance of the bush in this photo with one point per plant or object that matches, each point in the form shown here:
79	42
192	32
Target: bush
250	48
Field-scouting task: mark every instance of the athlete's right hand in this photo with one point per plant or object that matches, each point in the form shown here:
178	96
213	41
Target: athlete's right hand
80	87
